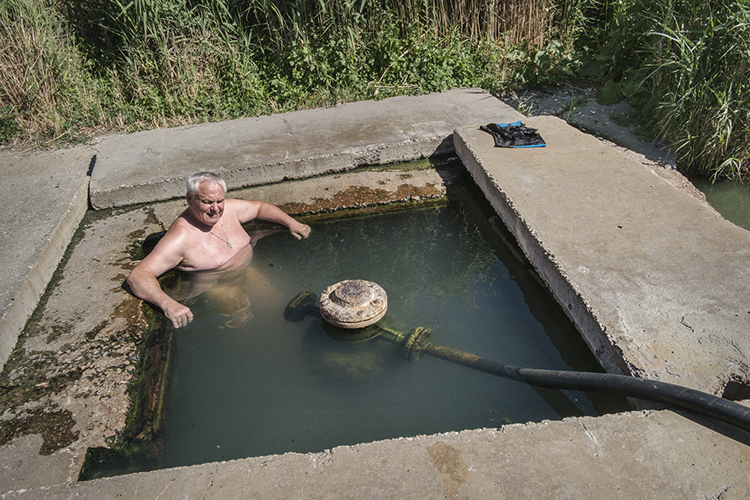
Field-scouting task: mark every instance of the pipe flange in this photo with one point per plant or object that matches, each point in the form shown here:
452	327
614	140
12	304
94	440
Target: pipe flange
353	303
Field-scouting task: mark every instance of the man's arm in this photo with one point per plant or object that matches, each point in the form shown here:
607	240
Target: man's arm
143	282
248	210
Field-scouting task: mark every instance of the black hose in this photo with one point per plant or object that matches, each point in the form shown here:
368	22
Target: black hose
651	390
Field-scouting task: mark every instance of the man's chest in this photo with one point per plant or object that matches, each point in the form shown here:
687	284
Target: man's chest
207	252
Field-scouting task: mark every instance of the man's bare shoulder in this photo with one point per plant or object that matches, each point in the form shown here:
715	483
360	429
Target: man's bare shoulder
170	251
180	225
176	236
244	210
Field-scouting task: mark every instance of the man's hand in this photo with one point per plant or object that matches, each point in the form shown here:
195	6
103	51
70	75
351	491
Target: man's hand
248	210
178	314
300	231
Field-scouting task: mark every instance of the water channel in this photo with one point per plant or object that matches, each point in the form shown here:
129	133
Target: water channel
730	198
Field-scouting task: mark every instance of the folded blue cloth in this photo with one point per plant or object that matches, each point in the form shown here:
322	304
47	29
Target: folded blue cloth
514	135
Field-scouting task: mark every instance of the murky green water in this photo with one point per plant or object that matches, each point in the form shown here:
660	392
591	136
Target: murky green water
245	382
730	199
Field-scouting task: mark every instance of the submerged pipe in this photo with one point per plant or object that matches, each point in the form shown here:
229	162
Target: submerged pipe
417	344
651	390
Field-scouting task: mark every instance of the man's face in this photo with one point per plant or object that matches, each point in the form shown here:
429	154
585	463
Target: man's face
207	205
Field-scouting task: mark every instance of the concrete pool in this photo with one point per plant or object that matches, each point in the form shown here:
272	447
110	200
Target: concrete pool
243	381
658	321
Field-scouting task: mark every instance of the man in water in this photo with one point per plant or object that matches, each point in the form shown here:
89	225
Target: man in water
208	235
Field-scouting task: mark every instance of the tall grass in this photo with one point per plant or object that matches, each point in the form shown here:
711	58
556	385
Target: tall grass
43	88
71	66
685	65
704	89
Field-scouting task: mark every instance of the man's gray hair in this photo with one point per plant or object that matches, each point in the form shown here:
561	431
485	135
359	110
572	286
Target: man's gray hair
195	180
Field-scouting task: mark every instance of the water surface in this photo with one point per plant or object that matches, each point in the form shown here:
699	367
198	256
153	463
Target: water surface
245	382
730	198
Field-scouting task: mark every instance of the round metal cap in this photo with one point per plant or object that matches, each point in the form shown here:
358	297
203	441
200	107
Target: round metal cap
353	303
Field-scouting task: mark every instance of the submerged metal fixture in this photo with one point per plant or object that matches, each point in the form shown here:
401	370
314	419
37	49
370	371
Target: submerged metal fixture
353	304
356	304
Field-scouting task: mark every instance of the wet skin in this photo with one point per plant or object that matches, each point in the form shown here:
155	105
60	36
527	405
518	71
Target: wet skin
206	236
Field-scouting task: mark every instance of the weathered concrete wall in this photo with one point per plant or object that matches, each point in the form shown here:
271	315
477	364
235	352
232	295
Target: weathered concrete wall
153	165
648	455
45	195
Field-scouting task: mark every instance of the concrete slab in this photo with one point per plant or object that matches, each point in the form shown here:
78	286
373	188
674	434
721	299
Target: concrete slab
654	278
153	165
578	107
645	455
47	195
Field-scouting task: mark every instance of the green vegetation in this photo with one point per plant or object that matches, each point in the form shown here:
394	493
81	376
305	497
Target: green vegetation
685	66
70	68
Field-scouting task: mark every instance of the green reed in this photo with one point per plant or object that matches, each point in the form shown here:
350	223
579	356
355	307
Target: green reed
43	88
705	108
69	67
685	66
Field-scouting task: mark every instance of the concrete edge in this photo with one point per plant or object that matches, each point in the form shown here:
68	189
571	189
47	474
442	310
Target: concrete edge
293	169
577	457
570	300
27	297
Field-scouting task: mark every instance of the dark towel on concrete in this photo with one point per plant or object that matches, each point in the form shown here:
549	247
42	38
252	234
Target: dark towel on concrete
514	135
